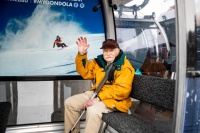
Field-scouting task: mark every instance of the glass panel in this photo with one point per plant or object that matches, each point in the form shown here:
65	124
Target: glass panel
42	102
198	46
147	35
198	32
192	117
192	114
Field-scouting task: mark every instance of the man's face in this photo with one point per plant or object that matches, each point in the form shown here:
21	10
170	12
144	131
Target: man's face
110	54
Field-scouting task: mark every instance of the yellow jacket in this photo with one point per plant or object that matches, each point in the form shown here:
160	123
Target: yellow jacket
115	95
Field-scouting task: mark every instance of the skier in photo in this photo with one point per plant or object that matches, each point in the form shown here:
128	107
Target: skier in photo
59	43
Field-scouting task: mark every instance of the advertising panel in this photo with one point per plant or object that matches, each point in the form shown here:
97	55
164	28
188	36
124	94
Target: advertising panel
38	37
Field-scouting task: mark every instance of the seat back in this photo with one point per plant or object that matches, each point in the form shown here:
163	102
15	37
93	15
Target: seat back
4	115
154	90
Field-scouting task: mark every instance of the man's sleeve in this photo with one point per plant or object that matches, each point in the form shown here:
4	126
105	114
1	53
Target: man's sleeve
84	67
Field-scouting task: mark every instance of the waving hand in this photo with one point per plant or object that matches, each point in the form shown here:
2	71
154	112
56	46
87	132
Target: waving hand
82	45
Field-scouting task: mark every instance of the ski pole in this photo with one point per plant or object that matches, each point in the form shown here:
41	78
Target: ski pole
111	66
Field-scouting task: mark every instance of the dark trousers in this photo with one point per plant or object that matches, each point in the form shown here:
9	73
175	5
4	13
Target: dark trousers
61	45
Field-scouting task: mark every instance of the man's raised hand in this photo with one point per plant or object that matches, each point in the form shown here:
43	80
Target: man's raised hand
82	45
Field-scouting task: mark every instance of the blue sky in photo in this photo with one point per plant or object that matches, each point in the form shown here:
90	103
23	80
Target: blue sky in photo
90	21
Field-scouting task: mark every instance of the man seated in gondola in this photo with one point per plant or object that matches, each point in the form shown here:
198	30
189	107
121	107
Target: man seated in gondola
114	95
